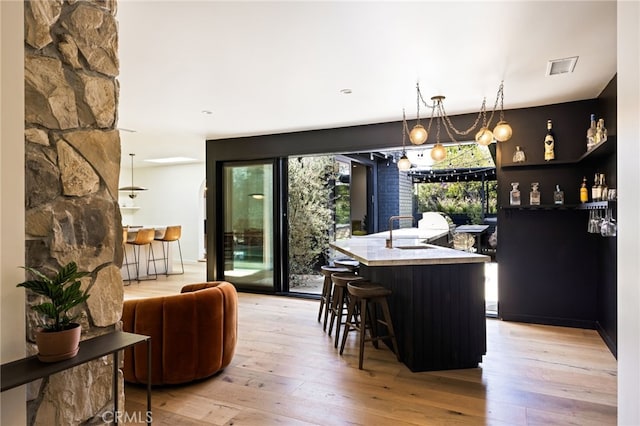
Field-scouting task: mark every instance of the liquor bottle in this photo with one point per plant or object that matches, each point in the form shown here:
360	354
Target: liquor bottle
558	196
591	133
604	190
601	131
514	194
595	189
549	142
584	192
534	195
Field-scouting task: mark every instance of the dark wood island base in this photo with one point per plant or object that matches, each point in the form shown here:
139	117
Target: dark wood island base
437	303
438	313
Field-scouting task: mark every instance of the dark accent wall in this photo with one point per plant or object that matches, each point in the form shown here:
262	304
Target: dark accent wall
607	295
550	270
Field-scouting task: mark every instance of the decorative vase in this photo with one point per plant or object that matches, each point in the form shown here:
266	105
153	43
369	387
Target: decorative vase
58	345
519	156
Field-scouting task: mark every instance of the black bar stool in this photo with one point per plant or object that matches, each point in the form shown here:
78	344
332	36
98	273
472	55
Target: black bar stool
325	297
368	295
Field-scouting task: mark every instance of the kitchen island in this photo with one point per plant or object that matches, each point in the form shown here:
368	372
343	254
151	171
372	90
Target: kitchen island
437	302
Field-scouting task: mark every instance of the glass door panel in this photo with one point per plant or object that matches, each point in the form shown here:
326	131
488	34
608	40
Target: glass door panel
248	225
342	201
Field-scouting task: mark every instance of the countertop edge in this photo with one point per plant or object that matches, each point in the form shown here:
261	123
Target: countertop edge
421	257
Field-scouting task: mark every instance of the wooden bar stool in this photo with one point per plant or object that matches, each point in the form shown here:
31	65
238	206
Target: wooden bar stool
339	299
171	234
325	297
144	237
368	295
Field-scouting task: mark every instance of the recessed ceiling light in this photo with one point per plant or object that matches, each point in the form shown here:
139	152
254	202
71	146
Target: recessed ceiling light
345	91
167	160
561	66
207	112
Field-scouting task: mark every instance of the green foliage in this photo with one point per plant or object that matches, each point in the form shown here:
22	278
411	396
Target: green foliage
343	205
310	212
456	198
459	197
63	291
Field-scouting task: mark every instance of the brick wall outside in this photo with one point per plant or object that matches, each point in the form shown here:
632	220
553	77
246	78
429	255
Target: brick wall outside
395	196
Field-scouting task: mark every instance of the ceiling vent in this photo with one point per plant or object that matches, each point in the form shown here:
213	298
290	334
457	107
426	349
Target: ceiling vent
561	66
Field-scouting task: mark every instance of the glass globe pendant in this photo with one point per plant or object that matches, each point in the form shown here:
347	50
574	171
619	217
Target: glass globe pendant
502	132
403	163
438	153
418	134
484	137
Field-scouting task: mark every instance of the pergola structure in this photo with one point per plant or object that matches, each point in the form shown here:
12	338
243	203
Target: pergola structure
471	174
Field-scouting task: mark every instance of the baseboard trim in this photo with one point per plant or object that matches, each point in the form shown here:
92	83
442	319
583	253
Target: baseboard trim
562	322
607	339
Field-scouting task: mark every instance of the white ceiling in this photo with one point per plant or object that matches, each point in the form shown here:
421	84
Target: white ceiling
268	67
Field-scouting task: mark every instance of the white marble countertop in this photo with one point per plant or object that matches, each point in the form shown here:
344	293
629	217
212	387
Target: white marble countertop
406	251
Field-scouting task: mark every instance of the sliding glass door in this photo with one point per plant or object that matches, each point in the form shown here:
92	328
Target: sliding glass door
248	224
276	218
327	200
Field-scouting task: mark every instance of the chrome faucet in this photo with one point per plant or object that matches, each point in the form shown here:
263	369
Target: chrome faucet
389	241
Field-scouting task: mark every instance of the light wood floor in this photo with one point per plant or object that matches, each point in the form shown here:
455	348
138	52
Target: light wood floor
287	372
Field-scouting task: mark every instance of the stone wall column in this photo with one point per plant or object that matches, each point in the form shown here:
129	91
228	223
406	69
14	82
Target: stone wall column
72	164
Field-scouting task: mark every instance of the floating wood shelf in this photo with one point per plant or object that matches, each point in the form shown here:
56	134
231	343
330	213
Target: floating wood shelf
601	150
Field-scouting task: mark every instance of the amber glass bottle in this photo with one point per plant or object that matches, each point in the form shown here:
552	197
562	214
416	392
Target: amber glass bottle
584	192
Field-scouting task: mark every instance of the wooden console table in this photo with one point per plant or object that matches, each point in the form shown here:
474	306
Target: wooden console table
25	370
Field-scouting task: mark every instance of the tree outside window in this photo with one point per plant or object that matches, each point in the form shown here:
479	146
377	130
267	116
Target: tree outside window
311	213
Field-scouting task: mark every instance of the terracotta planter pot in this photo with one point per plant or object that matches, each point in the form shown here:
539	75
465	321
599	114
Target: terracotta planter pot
58	345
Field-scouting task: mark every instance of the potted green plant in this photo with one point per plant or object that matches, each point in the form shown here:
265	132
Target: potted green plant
58	337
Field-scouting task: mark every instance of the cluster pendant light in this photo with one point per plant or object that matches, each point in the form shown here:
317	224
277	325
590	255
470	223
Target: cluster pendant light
418	135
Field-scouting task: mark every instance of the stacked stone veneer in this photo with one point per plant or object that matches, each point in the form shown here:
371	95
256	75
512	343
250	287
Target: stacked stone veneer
72	166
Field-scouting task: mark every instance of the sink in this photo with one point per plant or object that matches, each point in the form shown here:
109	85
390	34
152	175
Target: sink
415	247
